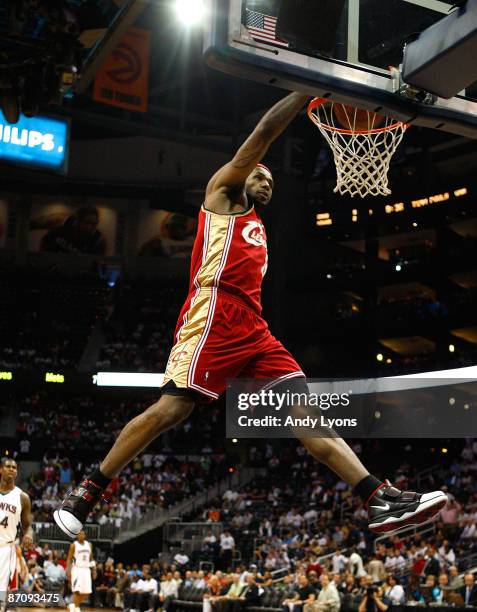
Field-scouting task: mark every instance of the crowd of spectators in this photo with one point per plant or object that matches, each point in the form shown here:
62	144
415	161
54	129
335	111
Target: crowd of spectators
139	335
46	322
150	481
300	504
357	582
72	424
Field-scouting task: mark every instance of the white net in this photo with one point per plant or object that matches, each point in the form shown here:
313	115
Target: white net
363	144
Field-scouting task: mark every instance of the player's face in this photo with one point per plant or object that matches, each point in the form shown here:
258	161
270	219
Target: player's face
88	224
259	186
8	471
81	537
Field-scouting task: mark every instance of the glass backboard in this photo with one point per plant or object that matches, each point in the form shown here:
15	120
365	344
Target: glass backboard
369	40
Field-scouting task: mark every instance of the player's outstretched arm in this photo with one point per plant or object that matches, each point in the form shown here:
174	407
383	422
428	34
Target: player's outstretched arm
272	124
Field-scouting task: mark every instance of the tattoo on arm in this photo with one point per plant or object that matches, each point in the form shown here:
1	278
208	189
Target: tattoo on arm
274	122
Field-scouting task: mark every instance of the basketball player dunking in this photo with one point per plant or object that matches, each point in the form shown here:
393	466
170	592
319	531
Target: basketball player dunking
78	570
15	509
221	335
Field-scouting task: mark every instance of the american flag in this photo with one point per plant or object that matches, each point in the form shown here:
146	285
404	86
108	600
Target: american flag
263	27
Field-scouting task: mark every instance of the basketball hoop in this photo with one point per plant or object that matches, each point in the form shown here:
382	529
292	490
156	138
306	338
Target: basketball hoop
363	143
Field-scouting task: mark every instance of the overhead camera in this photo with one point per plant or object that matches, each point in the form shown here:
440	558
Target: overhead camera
40	55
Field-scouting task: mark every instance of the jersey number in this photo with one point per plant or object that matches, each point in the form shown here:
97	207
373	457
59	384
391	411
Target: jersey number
4	523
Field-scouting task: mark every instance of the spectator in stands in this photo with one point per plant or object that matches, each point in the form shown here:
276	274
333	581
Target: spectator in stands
432	566
430	590
338	562
394	592
265	528
33	582
56	574
104	580
469	530
469	590
232	594
65	473
213	592
337	580
443	586
287	586
144	593
446	554
227	547
169	590
304	594
418	565
200	582
455	581
116	591
376	569
355	564
24	448
209	539
449	516
394	562
181	559
33	552
328	598
373	599
130	590
250	595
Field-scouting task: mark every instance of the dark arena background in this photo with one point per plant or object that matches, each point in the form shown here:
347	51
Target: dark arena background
112	123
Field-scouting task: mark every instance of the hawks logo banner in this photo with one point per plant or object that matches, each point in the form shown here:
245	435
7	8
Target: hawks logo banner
123	78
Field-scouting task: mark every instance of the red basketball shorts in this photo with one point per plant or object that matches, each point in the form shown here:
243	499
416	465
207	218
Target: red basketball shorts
218	338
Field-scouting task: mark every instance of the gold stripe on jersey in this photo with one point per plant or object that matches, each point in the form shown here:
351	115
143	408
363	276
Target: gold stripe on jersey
217	239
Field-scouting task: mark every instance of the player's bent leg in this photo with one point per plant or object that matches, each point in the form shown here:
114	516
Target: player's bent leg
389	509
169	411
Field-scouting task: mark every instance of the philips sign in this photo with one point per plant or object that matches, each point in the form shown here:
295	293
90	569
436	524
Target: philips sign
39	142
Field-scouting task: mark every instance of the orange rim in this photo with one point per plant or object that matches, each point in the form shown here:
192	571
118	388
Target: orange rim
317	102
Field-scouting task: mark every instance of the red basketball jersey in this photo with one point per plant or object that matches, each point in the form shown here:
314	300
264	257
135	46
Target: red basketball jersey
230	254
220	333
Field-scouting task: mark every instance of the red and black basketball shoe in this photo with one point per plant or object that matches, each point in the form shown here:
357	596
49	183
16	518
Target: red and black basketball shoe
73	512
390	509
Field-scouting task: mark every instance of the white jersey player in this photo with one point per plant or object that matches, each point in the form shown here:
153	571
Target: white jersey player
15	510
79	563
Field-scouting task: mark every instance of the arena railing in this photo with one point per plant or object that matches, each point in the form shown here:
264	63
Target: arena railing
157	517
425	476
468	563
94	532
278	574
176	531
407	533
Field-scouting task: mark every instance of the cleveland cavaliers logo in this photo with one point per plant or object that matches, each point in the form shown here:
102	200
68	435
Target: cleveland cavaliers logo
254	233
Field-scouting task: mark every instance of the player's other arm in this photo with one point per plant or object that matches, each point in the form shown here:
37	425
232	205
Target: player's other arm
26	520
272	124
